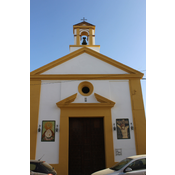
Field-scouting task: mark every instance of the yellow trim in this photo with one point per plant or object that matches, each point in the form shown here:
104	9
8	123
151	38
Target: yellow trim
90	37
85	76
102	99
104	102
84	33
138	113
78	37
34	112
85	110
67	100
90	52
85	84
83	27
84	46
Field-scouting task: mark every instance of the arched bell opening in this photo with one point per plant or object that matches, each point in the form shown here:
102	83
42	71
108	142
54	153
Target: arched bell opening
84	38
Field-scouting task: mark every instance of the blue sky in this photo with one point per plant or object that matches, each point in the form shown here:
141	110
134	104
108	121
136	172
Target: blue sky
120	30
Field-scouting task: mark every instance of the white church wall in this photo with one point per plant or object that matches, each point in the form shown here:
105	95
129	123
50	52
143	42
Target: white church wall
55	91
49	96
75	40
85	64
120	93
72	49
75	36
93	41
102	88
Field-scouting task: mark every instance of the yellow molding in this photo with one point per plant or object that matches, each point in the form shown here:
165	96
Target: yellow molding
67	100
85	76
84	23
84	27
85	105
138	113
104	102
90	52
78	37
34	112
102	99
84	46
90	36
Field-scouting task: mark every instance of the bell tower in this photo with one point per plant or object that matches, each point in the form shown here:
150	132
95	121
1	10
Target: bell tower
84	36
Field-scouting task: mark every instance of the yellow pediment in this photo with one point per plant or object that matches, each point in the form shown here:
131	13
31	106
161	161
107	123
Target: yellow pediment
36	74
67	102
84	23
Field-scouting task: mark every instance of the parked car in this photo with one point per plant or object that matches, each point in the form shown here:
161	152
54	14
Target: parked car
134	165
34	173
37	166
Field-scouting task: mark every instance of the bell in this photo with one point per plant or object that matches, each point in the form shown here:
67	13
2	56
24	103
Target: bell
84	41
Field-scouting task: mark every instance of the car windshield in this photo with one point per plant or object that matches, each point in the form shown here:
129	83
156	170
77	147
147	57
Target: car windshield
121	164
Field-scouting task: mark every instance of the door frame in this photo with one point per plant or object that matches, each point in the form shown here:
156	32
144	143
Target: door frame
84	110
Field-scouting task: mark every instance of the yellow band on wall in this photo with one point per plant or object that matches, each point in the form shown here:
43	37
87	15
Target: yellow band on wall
138	116
34	112
78	37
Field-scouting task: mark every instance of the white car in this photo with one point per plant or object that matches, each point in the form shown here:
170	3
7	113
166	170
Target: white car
134	165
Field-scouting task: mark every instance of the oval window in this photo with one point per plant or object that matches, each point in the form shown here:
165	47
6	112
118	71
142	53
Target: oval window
85	88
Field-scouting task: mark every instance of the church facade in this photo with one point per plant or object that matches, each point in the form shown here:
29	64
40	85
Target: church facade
86	109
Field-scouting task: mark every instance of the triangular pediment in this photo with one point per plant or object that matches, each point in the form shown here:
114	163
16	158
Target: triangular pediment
85	59
84	23
67	102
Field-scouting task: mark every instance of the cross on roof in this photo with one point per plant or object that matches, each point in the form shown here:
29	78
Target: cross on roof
84	19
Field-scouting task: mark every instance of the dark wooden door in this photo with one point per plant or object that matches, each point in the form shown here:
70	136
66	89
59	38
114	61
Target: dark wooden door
86	145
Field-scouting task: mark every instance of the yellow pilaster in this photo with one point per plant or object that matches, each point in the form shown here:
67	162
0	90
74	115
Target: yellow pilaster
34	111
90	37
138	116
78	37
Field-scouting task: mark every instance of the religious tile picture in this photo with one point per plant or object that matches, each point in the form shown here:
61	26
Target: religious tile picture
123	129
48	131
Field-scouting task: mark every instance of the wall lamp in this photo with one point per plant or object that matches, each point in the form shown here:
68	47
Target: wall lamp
56	129
114	127
39	128
132	127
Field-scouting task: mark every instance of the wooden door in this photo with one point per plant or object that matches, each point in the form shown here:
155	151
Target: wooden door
86	145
